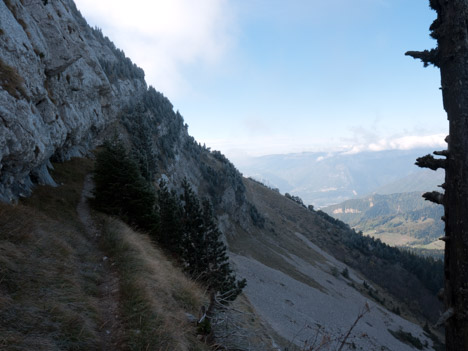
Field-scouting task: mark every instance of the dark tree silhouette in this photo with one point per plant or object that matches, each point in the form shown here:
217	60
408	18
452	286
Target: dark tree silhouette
451	56
121	190
170	214
202	250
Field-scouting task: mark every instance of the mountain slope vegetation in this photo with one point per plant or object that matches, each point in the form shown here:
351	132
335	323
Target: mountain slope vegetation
403	219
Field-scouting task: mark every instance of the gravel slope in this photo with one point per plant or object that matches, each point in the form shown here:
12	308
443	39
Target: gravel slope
298	311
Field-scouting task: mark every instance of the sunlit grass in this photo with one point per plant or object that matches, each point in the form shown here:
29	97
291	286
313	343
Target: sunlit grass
155	294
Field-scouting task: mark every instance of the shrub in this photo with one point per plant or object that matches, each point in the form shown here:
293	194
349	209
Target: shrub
335	272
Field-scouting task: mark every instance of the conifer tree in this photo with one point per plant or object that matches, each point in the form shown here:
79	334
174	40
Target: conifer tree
121	190
192	232
203	251
451	56
170	214
219	275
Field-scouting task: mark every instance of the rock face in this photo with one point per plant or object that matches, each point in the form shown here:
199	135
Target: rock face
64	88
56	98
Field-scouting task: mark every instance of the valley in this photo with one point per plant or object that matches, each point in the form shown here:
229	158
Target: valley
325	179
402	219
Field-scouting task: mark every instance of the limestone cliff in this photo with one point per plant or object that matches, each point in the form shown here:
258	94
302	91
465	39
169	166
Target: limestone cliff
64	88
55	96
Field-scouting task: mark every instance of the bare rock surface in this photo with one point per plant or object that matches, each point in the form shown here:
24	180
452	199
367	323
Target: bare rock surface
55	98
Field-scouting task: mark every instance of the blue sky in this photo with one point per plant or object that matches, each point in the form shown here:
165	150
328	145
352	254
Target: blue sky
267	76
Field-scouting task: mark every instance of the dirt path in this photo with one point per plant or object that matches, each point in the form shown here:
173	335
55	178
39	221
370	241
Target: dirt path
111	329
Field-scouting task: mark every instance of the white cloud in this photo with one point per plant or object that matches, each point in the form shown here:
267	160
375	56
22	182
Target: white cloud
243	148
163	36
400	143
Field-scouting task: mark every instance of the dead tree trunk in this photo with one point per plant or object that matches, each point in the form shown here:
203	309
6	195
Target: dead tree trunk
451	56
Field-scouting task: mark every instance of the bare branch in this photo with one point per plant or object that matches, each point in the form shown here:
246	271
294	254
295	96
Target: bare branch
430	162
427	56
442	153
435	197
361	314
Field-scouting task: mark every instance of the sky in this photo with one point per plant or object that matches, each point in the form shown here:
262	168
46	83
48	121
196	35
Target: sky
257	77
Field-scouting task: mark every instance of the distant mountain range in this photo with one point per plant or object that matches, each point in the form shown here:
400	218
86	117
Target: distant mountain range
323	179
403	219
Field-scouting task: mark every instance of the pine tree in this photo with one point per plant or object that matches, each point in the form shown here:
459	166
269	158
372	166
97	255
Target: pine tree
203	251
170	214
219	275
121	190
192	240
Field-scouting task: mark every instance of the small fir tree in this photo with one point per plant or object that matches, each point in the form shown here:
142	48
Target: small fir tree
121	190
203	251
170	214
219	275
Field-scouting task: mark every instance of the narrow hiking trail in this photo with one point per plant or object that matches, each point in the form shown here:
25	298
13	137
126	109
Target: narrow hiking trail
111	329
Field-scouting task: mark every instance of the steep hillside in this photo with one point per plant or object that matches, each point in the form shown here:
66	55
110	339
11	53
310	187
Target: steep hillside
64	89
295	264
403	219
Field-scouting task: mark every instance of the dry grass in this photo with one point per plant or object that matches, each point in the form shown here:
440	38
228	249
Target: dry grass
46	298
155	294
51	272
23	24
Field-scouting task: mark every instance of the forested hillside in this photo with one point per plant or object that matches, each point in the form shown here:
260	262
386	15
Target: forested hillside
403	219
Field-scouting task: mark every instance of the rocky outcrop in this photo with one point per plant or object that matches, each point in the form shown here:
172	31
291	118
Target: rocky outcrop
61	85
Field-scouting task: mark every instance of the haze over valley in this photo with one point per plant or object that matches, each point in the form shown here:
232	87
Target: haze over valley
323	179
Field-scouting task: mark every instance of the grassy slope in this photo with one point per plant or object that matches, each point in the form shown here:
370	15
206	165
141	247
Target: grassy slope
155	295
49	281
50	274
